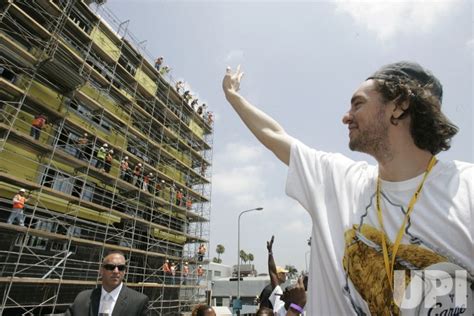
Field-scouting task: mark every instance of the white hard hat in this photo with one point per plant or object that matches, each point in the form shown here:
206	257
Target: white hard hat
126	157
22	190
105	145
139	164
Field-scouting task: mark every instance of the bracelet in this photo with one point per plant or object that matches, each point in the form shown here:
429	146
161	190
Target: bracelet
297	308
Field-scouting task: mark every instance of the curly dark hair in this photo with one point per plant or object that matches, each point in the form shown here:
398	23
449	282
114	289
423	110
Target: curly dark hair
430	128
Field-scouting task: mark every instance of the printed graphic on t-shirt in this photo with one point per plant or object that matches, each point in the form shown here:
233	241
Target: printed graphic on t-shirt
364	264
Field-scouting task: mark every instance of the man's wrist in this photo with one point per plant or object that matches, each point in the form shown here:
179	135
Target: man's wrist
297	308
232	96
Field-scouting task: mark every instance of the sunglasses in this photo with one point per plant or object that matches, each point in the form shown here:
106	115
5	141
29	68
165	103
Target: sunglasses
111	267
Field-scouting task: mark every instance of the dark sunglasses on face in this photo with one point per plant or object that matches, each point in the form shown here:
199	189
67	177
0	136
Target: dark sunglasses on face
111	267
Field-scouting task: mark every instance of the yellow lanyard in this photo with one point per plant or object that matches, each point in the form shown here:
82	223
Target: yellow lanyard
389	266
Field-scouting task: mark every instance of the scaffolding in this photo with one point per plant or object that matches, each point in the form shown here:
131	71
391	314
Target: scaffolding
79	66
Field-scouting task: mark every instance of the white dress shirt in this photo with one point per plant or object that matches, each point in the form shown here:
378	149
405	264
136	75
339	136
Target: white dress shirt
109	299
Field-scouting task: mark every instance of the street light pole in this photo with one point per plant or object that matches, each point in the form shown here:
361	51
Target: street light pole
238	255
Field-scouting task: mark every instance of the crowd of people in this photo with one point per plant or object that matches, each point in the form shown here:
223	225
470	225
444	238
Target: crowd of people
190	100
134	174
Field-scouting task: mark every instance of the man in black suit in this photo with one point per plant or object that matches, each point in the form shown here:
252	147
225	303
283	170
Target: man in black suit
113	298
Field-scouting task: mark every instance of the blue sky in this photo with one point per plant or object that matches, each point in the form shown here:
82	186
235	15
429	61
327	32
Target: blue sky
302	61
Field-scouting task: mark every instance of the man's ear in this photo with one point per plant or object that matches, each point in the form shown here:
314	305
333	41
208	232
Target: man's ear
399	108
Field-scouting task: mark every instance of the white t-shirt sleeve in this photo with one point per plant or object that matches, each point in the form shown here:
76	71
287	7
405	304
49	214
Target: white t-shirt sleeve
314	177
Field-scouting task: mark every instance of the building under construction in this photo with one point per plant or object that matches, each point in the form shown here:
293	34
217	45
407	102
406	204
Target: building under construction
76	65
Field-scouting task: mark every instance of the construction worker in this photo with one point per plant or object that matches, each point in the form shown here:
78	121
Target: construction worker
101	153
201	110
210	118
81	144
18	207
179	86
194	104
137	173
159	186
187	96
146	181
199	273
158	63
173	273
125	169
179	197
203	169
185	272
201	252
37	125
108	161
164	70
166	270
189	203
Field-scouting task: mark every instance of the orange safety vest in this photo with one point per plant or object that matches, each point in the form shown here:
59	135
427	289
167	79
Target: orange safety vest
20	201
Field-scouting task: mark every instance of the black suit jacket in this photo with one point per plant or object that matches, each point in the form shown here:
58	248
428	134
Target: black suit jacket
129	303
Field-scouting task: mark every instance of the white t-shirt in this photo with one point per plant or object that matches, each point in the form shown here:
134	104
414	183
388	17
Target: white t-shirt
277	303
339	193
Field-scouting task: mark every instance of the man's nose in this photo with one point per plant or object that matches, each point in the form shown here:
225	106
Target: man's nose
347	118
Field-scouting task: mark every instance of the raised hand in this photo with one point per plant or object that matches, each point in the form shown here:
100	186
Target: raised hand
295	294
270	244
231	81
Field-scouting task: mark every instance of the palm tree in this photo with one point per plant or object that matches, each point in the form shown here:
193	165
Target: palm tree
220	250
292	271
243	256
250	257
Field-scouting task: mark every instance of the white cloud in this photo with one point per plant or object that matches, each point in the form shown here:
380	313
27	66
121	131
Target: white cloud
387	19
239	173
470	44
243	153
234	56
238	180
